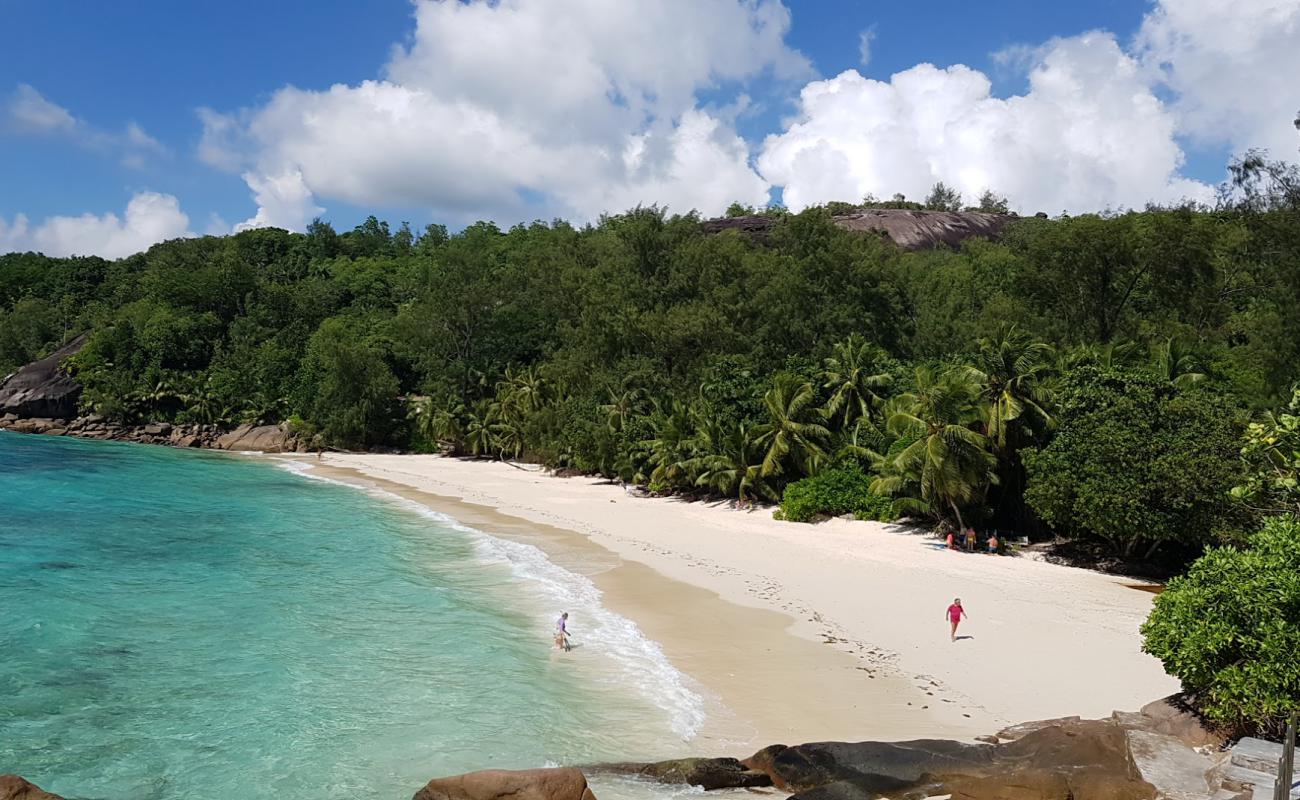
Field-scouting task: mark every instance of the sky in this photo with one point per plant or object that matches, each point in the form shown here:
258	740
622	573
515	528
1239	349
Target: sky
124	124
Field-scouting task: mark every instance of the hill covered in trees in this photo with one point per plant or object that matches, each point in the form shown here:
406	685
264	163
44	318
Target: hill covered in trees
1088	375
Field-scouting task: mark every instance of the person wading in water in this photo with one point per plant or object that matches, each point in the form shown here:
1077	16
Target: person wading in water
562	632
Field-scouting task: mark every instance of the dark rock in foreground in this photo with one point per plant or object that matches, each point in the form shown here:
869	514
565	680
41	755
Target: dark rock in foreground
565	783
707	773
13	787
1129	756
910	230
881	766
42	389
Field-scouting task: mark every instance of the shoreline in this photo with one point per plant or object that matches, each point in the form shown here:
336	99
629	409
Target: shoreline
743	658
840	644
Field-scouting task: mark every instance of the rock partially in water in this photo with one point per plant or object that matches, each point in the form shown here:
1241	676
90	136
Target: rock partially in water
42	389
872	766
13	787
565	783
707	773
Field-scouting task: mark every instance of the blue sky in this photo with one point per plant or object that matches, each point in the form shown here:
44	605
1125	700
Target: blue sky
154	64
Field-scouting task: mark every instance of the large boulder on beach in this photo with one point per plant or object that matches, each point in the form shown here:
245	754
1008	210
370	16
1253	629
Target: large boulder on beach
498	784
1059	759
259	438
13	787
888	765
42	388
707	773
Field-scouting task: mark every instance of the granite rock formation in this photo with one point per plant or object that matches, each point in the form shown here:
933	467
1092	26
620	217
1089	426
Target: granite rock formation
42	389
910	230
1161	751
565	783
13	787
707	773
42	398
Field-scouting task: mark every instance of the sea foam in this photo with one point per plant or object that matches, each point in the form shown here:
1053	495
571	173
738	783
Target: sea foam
637	660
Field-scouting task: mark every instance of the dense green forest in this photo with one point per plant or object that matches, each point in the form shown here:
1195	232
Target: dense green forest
1088	375
1125	381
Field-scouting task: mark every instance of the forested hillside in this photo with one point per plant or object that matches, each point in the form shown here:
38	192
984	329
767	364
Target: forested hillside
1100	367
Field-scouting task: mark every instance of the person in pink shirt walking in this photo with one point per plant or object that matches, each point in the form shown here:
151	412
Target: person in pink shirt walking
955	613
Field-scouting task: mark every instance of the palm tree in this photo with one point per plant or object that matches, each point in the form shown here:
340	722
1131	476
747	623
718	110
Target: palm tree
671	449
438	424
1111	355
508	439
1013	370
794	433
735	468
162	393
204	405
938	459
524	391
851	377
480	424
622	406
1174	362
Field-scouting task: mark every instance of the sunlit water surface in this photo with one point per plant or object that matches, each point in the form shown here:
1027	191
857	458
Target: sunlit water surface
179	624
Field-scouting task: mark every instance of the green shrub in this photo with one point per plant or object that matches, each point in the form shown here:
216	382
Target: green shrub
1139	464
1230	630
832	493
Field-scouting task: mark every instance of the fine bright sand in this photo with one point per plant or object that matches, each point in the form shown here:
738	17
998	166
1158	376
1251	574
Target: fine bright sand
833	631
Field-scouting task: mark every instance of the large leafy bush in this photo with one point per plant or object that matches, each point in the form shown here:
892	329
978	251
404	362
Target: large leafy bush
1230	629
832	493
1138	464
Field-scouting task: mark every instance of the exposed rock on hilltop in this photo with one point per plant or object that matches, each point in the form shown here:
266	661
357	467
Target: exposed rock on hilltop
910	230
42	389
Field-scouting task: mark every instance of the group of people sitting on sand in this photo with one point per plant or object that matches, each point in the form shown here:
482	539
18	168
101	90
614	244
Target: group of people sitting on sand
967	540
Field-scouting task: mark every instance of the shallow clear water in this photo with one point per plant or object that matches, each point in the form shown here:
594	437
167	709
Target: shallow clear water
180	624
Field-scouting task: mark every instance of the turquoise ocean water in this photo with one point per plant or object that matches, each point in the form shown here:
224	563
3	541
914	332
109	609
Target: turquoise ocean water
178	624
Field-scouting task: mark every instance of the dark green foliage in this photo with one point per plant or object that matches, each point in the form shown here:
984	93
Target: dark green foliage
346	386
1137	463
831	493
645	350
1228	630
27	332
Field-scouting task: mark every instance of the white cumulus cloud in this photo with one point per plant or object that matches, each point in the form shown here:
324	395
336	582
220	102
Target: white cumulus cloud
521	107
149	218
1234	69
1088	134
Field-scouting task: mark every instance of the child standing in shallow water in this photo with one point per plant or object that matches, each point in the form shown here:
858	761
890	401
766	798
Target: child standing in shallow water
955	613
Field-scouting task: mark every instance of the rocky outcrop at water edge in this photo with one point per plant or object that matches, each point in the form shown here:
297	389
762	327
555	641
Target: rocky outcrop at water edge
1161	751
565	783
13	787
42	389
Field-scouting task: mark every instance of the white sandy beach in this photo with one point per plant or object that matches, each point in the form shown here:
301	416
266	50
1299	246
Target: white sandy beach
816	632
